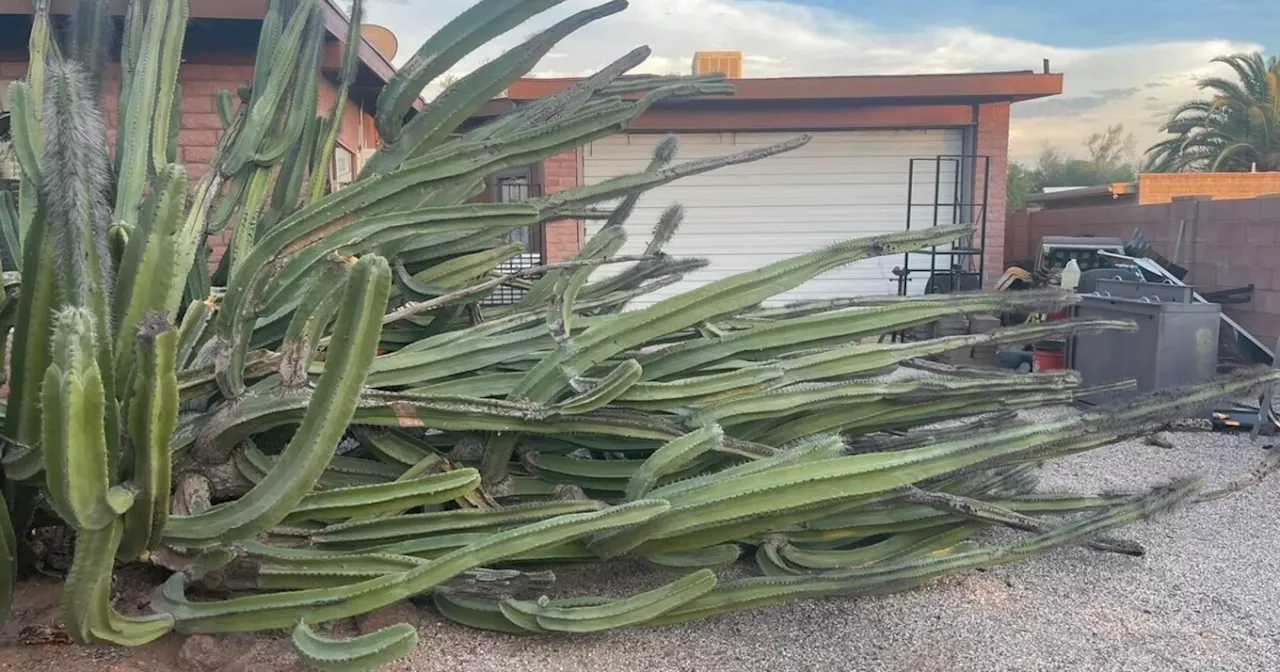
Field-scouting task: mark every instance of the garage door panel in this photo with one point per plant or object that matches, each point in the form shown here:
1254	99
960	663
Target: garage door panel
840	186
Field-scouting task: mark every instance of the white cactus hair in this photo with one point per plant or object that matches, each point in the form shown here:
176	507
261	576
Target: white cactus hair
75	178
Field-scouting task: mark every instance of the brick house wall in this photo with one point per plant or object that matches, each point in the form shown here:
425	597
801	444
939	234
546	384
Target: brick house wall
562	239
1164	187
992	140
201	78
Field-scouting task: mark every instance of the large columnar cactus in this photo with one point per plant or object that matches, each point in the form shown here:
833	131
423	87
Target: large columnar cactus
332	417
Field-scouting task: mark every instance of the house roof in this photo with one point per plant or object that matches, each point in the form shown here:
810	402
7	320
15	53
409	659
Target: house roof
1086	196
336	21
934	89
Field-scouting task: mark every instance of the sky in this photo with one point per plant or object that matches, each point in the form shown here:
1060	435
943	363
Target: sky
1124	61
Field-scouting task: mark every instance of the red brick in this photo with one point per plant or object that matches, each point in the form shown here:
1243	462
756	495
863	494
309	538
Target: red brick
198	154
198	104
13	69
201	122
195	71
195	138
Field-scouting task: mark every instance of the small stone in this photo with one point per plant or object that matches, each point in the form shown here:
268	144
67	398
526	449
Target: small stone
400	612
207	652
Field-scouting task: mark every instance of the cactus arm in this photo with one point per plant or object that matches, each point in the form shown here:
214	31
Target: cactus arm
329	138
897	546
308	323
729	294
194	330
266	101
355	339
363	501
604	391
78	470
24	131
268	42
355	654
633	610
168	94
413	526
30	354
86	596
153	77
672	457
152	417
474	612
264	612
711	557
251	212
302	103
458	102
475	26
8	561
761	591
145	278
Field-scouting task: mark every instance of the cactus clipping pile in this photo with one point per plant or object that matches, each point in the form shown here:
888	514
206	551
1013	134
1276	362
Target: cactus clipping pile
333	418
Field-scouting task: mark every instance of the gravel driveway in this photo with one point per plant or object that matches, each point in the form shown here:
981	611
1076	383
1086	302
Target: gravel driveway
1205	598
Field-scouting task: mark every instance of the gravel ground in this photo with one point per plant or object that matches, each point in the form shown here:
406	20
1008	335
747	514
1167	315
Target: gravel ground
1204	598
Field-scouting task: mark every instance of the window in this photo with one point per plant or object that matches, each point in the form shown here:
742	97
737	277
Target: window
344	167
10	172
516	186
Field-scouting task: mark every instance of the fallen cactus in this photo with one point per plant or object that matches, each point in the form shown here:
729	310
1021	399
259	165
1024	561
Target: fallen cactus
333	418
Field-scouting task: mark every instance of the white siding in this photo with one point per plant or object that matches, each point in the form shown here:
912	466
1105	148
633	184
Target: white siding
841	185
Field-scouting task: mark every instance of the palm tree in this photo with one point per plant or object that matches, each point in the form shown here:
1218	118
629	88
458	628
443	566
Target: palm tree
1237	129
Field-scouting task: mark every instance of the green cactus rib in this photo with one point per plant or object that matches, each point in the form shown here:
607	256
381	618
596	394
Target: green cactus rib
8	561
456	271
263	567
78	472
24	135
354	654
672	457
488	385
829	328
475	26
464	355
143	130
897	546
264	612
711	557
297	36
341	472
459	101
434	546
30	355
698	390
308	324
757	592
603	391
800	398
719	501
393	447
364	501
603	476
722	296
152	417
474	612
630	611
86	596
399	528
346	77
355	338
144	279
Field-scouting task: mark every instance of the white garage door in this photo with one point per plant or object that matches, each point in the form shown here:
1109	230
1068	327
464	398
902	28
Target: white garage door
841	185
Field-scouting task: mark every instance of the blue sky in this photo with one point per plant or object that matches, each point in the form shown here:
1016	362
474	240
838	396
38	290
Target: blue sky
1081	23
1125	61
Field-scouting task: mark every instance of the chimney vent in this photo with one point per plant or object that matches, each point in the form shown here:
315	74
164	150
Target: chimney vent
728	63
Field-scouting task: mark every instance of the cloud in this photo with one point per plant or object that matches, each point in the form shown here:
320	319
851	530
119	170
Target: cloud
781	39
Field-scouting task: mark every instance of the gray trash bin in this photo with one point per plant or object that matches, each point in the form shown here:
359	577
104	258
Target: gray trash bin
1176	342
